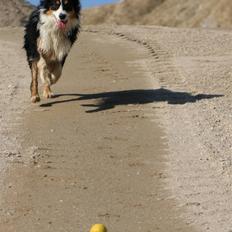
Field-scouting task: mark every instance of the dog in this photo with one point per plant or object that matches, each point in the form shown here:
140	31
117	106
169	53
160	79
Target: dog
50	32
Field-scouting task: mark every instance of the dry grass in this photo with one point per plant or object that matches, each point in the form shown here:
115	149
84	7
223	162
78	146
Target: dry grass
175	13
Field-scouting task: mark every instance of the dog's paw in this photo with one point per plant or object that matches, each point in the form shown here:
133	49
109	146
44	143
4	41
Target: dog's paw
48	94
35	99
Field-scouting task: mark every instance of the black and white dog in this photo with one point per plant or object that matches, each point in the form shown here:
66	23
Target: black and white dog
49	35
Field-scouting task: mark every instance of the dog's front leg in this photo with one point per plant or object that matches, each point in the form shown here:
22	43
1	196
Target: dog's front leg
34	83
45	76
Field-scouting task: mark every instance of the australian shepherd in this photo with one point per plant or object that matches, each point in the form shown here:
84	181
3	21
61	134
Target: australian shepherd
49	35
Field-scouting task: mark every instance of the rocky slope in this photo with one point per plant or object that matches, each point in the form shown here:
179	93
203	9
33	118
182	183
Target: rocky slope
13	12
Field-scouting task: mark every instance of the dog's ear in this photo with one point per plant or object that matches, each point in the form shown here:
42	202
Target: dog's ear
44	4
77	7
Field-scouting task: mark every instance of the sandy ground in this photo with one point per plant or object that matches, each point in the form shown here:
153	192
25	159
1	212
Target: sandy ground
13	83
139	137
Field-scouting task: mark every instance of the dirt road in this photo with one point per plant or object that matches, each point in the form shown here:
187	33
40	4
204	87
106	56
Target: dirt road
138	136
93	154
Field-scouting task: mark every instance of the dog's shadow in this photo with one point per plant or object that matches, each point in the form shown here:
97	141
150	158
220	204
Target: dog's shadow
109	100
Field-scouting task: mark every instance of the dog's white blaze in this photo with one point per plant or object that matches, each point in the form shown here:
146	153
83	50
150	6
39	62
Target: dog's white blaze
59	11
52	39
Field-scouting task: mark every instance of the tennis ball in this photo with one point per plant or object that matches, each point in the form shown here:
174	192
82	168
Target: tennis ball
98	228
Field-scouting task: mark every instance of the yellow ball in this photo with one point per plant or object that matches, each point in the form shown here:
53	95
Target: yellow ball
98	228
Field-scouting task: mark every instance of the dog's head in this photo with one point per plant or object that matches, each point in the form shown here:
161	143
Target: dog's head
63	11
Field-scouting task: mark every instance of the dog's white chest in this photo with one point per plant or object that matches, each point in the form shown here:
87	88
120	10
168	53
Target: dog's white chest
53	42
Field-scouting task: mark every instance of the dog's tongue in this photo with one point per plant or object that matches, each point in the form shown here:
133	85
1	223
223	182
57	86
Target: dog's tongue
61	25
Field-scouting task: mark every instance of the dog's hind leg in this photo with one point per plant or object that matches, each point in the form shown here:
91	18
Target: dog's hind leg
34	83
49	72
55	70
47	93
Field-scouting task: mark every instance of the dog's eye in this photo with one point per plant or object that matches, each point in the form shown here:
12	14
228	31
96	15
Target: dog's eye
67	5
55	5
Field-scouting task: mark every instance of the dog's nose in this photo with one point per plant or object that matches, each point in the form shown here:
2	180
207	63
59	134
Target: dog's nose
62	16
